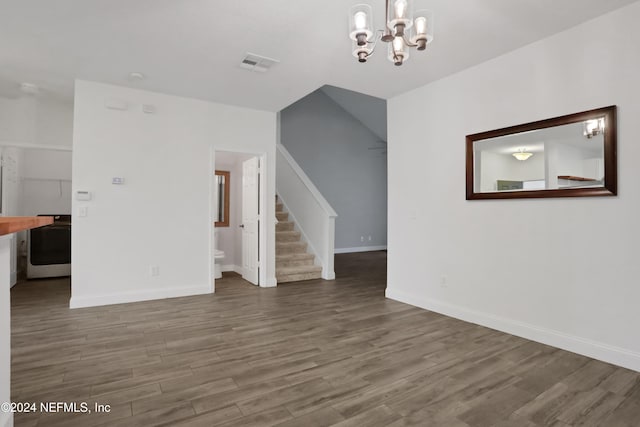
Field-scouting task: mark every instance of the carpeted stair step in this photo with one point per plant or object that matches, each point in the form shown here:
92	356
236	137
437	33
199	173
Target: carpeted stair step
293	263
296	274
290	247
282	216
293	260
285	226
287	236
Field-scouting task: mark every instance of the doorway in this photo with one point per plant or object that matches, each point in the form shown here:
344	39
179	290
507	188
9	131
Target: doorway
36	180
238	240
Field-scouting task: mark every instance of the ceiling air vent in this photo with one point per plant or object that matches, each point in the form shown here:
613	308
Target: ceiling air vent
257	63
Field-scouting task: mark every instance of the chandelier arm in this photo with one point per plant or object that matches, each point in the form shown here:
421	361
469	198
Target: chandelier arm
376	39
409	43
386	13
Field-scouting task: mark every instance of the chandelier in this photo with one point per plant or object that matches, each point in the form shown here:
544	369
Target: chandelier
404	30
593	127
522	154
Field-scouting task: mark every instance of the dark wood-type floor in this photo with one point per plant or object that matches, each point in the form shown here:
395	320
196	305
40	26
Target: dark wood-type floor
305	354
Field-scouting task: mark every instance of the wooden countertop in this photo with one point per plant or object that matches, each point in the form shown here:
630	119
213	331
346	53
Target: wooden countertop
13	224
575	178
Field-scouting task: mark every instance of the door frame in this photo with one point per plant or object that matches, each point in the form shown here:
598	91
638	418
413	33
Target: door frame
263	217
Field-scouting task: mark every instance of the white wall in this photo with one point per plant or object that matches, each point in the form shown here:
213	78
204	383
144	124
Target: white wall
46	182
13	163
40	130
38	120
162	215
18	119
560	271
54	122
12	201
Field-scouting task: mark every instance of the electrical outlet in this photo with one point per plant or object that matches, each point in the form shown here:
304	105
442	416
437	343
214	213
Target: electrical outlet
154	270
362	238
369	238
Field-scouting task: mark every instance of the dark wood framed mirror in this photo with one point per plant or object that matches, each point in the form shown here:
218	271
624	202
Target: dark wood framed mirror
222	198
568	156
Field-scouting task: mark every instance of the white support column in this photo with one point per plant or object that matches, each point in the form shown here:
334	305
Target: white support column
6	419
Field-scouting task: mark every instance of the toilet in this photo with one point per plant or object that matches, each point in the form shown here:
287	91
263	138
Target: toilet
217	257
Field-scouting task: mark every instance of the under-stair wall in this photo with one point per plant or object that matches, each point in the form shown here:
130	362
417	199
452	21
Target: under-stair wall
293	262
313	215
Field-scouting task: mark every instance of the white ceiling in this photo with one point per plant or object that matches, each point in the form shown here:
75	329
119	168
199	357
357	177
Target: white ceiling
193	47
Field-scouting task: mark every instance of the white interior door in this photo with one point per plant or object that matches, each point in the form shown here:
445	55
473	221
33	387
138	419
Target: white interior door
250	219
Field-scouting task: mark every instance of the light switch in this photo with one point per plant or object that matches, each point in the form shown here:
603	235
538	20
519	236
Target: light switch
83	211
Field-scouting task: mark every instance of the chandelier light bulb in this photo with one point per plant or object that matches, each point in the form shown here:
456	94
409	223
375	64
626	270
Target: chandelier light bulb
398	44
360	20
400	8
398	51
593	127
421	25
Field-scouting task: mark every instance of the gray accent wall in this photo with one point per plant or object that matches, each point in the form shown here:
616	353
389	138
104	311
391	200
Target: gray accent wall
371	111
332	147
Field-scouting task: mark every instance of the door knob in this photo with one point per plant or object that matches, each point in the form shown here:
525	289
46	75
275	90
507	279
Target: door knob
241	225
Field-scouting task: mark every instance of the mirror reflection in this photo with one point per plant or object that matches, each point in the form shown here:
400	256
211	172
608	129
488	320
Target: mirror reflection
222	198
569	156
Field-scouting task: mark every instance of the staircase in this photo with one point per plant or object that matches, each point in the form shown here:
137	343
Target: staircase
293	263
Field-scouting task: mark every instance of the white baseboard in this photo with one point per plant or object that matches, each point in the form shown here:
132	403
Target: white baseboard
360	249
271	283
231	267
13	279
330	276
6	419
136	296
597	350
